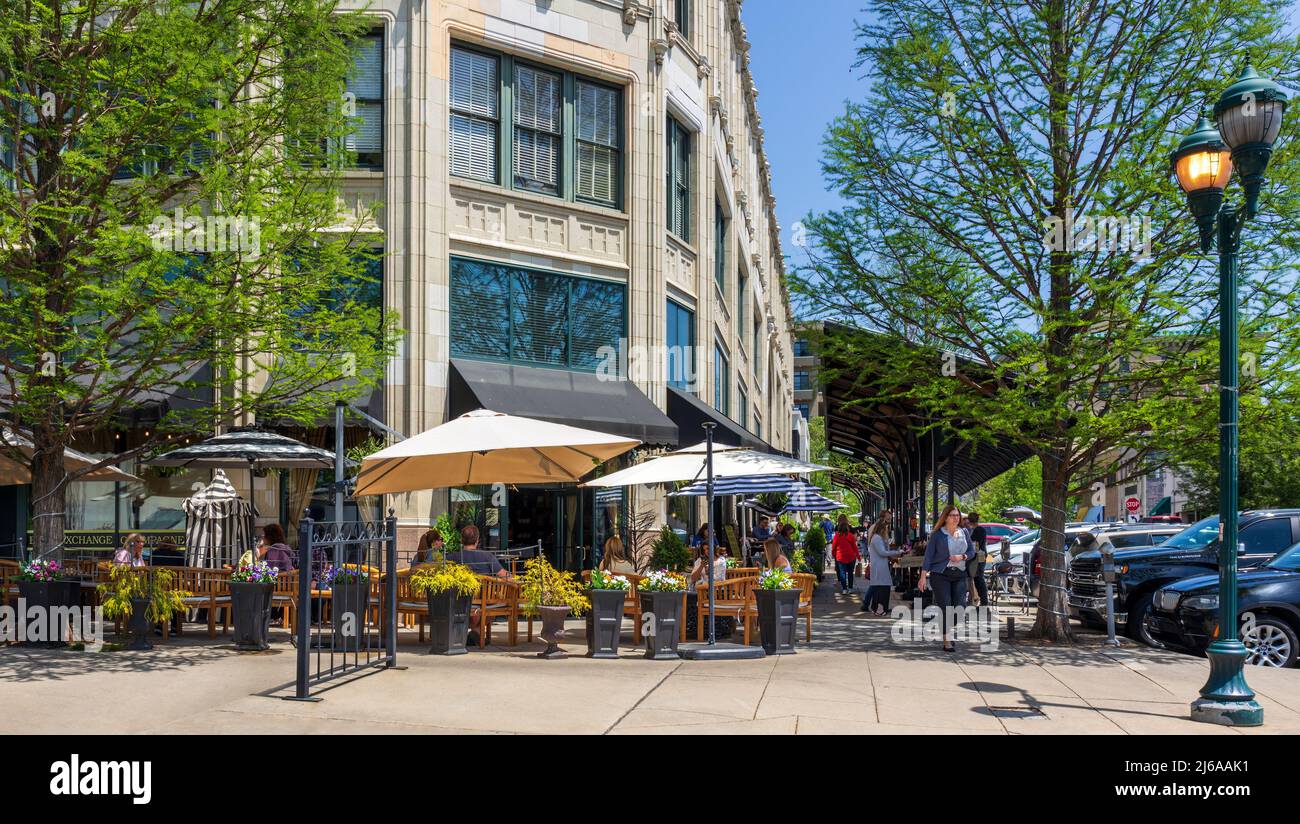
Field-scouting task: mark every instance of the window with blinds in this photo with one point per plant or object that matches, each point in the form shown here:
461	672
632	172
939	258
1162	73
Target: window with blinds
474	98
721	381
596	113
679	180
537	116
365	140
565	132
511	314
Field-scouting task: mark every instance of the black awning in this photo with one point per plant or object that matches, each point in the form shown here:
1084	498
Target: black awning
689	412
559	396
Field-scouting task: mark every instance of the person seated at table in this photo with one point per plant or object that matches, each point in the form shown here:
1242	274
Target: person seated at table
132	552
700	568
784	538
479	560
701	538
273	550
167	554
431	548
615	560
762	532
775	557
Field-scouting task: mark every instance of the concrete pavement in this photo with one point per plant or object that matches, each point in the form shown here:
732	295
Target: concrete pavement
852	678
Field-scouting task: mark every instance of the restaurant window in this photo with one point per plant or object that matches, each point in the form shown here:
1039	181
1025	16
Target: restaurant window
365	89
680	340
557	120
529	316
721	381
679	180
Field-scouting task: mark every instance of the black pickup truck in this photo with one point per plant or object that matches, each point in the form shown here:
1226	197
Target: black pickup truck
1261	534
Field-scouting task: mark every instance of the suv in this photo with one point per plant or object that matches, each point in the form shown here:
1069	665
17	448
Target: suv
1133	536
1194	551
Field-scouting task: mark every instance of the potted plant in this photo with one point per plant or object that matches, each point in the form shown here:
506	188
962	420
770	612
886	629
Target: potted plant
46	585
778	608
349	599
661	609
251	589
608	594
669	552
449	587
814	547
553	594
143	598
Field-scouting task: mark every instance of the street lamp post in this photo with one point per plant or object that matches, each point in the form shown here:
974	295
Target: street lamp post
1249	115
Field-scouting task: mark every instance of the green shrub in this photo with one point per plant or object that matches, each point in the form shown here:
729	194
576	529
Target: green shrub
669	552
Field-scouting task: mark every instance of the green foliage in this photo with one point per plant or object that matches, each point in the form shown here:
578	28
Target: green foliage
128	584
223	254
1269	460
1021	485
607	580
800	563
436	579
450	534
670	552
542	585
815	542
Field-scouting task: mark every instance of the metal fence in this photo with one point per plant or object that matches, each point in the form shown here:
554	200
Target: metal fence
346	627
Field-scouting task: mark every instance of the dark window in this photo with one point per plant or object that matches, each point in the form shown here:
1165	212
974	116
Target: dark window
1266	536
506	313
680	361
801	348
802	380
802	409
741	300
679	180
682	16
719	247
1122	540
721	381
742	407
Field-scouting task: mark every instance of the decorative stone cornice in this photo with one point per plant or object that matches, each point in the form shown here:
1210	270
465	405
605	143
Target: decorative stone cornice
660	47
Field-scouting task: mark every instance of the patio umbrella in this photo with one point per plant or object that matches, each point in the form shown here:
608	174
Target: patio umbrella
689	465
484	447
247	447
218	524
14	472
758	507
809	499
742	485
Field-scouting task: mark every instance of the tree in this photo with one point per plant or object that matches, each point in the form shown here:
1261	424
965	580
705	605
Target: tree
171	171
1019	486
1270	462
1012	233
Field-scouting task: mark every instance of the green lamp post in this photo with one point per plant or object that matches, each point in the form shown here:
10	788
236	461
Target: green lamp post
1249	115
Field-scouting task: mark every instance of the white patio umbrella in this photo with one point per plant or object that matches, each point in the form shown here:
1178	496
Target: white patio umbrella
688	465
14	472
218	524
484	447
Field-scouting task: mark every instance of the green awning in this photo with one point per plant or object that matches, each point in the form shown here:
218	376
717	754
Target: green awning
1164	507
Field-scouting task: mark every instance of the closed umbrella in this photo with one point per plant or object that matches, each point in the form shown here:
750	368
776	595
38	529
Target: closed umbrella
218	524
484	447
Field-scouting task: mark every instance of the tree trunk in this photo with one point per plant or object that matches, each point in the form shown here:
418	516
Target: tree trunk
49	495
1053	622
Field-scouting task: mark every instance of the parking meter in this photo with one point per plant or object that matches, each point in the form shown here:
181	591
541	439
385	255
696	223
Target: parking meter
1109	575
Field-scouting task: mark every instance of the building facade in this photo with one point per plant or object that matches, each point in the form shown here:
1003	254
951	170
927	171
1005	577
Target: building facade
577	216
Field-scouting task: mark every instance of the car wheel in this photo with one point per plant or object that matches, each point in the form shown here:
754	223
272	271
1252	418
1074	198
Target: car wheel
1270	642
1137	619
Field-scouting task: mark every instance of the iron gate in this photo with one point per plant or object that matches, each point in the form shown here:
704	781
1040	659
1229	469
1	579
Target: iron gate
347	600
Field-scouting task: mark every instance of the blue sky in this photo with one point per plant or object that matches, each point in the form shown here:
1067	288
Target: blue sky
802	55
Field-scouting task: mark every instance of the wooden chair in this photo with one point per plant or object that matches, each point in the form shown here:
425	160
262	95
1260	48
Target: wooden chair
8	588
408	603
205	586
742	572
807	582
498	598
729	598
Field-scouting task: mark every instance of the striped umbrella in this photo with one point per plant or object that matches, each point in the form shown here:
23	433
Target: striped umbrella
218	524
809	499
741	485
251	448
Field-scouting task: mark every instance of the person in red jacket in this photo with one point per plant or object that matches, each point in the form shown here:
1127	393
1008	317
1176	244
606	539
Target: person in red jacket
845	549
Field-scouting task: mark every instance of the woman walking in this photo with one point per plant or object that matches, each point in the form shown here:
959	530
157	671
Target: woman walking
944	568
878	557
845	549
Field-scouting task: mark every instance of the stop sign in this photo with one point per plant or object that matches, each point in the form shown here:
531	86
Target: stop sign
1132	505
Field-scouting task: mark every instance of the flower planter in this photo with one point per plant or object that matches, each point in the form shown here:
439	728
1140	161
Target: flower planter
448	622
778	614
50	596
348	605
553	631
604	622
250	608
138	624
666	626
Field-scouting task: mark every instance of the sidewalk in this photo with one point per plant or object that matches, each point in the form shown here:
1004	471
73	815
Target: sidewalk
852	679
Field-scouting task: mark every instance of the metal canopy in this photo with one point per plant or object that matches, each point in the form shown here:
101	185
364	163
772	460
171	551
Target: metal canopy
891	433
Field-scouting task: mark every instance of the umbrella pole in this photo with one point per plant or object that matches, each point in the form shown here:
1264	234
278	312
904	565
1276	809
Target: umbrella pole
708	469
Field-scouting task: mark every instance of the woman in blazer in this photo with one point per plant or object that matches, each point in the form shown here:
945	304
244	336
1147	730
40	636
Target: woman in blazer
880	580
944	568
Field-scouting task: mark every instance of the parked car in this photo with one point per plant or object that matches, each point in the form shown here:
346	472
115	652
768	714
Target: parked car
997	533
1262	534
1132	536
1161	519
1185	614
1018	549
